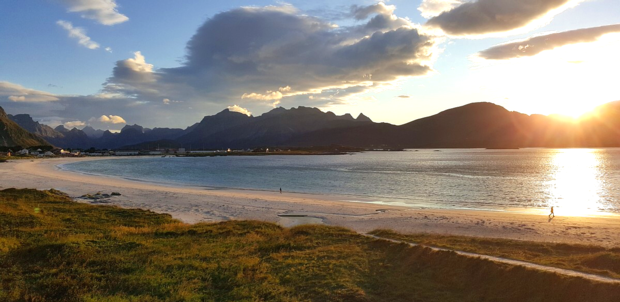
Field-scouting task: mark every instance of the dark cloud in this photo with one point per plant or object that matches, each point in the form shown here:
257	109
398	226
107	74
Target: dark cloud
494	16
255	58
247	56
536	45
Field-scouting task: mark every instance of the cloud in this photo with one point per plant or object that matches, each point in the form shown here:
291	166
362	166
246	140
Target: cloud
18	93
74	124
103	11
132	76
268	96
535	45
15	98
362	12
432	8
404	96
137	64
108	49
275	53
166	101
109	119
267	54
79	34
235	108
483	17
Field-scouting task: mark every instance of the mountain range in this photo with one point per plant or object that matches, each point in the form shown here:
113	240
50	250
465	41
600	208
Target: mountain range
12	135
476	125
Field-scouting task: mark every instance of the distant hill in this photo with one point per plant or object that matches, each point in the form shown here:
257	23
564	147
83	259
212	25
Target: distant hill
277	127
136	134
90	137
74	138
25	121
12	135
476	125
92	132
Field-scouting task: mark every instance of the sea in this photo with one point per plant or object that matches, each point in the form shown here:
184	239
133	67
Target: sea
574	181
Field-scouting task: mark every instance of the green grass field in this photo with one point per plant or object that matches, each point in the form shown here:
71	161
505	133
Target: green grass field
53	249
586	258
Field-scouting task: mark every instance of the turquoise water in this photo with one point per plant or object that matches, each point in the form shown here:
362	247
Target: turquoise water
579	180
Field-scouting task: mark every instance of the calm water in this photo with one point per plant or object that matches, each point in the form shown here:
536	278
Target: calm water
576	181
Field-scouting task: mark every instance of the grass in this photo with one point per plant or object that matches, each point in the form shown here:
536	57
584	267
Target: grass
53	249
585	258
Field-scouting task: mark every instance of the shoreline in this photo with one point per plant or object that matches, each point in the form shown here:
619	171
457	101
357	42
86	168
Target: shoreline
349	198
200	204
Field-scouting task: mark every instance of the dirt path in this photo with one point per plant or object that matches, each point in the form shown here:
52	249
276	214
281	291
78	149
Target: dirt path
560	271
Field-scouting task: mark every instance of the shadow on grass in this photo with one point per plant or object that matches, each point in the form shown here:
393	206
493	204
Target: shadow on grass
76	252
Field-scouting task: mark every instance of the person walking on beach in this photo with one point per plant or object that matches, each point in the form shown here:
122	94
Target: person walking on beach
550	214
280	190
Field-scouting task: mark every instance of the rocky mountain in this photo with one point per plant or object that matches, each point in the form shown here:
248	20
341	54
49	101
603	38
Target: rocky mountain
479	125
275	128
92	132
25	121
91	138
12	135
136	134
74	138
476	125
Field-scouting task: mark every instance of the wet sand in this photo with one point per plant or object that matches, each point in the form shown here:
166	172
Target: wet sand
196	204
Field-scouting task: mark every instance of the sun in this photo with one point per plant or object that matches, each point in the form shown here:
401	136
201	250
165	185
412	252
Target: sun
569	81
574	110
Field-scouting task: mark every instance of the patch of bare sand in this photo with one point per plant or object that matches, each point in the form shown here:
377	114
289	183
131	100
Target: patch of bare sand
195	204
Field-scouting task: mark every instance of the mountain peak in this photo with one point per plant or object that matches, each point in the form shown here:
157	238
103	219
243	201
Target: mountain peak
135	127
61	128
92	132
347	116
11	134
275	111
362	118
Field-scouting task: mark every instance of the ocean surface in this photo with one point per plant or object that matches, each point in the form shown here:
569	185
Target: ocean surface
575	181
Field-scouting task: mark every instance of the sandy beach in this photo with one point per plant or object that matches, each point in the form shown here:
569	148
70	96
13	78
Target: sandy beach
196	204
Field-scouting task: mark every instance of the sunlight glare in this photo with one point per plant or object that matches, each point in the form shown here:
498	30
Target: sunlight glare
576	186
569	80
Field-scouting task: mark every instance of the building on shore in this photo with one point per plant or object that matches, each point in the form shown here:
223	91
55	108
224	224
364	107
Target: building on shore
126	153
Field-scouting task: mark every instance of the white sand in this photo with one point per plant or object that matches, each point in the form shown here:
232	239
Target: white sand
194	204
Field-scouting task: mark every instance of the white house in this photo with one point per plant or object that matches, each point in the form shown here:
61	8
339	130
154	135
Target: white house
23	152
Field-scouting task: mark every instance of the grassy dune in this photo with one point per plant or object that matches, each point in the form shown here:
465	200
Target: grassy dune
53	249
586	258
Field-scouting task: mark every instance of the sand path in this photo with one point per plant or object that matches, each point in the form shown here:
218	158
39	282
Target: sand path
550	269
196	204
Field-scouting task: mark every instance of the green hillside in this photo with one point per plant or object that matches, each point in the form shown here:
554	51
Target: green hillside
12	135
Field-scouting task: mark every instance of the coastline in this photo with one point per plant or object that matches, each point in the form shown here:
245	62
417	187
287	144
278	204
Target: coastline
199	204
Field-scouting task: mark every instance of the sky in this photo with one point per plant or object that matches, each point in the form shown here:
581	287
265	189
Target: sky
165	63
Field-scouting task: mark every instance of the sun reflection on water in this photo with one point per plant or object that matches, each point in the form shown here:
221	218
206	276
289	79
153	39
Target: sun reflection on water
576	186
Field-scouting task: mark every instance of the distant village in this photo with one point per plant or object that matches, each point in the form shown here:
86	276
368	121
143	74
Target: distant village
168	152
